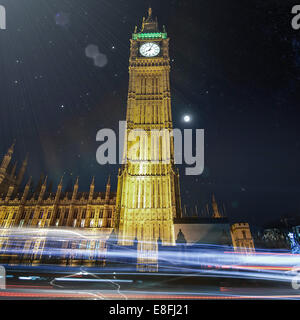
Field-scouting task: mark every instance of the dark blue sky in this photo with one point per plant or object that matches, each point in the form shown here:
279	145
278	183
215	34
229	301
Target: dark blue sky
235	70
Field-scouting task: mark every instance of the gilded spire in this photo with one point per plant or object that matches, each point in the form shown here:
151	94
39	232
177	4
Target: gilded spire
216	212
93	181
11	149
6	160
149	25
26	189
9	192
13	172
22	170
75	188
29	181
59	188
43	189
61	181
92	187
45	181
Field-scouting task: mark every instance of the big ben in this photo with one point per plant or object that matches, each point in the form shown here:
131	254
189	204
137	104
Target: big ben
148	195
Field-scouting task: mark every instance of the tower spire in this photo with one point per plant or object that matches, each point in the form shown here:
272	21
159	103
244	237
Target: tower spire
45	181
149	25
29	181
22	171
75	189
92	188
6	160
59	188
26	189
43	189
107	192
11	149
61	180
13	171
216	212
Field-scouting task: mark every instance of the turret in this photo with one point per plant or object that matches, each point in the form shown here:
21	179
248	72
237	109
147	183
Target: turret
59	188
107	191
75	189
39	184
92	188
5	162
22	171
148	24
26	190
13	171
9	193
43	189
216	212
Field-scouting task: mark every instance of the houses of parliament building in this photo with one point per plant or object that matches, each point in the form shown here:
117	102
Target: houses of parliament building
146	209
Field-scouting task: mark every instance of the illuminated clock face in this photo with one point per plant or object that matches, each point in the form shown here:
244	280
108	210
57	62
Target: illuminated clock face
149	49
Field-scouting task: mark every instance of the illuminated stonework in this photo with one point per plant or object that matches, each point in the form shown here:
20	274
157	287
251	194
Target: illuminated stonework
148	196
44	209
9	180
147	200
88	213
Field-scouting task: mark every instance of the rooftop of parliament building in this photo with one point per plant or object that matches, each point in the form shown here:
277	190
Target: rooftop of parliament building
40	207
43	207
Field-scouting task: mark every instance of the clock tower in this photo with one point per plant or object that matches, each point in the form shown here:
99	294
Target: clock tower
148	195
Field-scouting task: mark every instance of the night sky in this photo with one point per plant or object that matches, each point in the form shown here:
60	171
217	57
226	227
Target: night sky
235	71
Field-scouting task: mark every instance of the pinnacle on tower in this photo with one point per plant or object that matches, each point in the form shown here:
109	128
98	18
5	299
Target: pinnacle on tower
93	181
216	212
92	187
6	159
13	171
45	181
61	181
59	188
11	148
29	182
9	193
22	170
107	187
75	188
26	189
149	25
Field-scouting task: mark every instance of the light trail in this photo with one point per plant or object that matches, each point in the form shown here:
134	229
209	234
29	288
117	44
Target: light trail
197	261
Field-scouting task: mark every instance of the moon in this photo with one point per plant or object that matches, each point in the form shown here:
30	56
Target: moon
187	118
